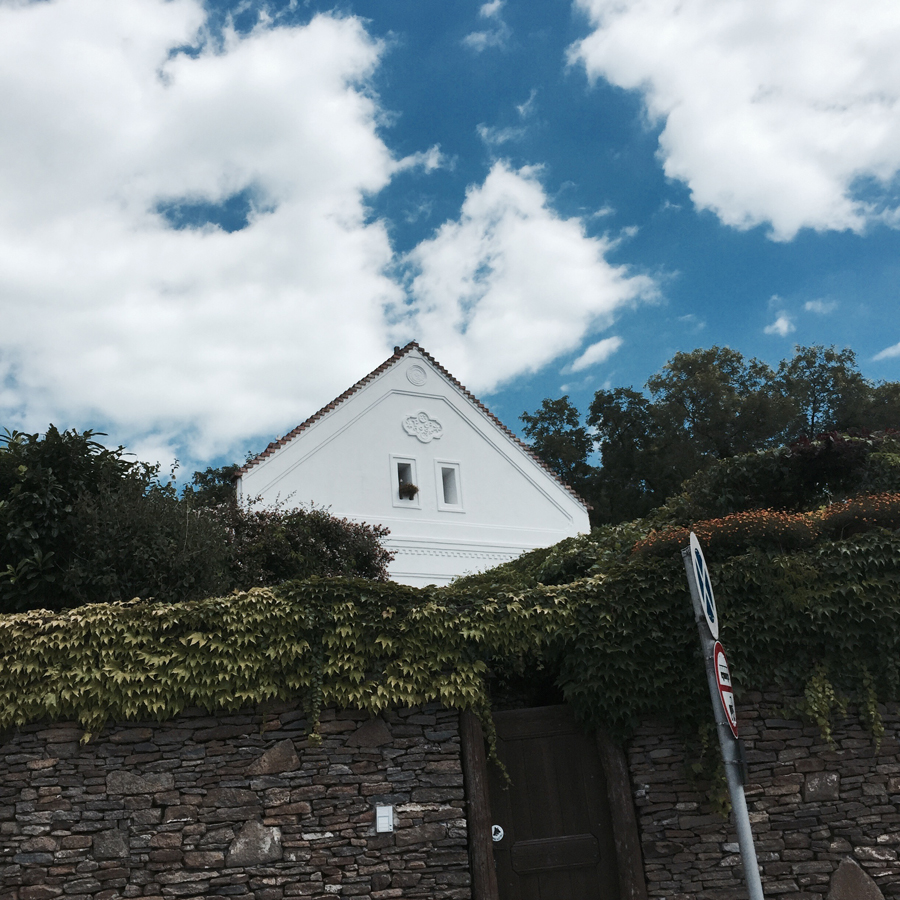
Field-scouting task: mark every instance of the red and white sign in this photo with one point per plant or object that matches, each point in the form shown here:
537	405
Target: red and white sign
726	691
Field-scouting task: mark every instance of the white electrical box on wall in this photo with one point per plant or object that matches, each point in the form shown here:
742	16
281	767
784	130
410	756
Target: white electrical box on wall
384	818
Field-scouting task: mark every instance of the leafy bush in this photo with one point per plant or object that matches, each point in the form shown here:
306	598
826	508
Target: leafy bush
268	546
804	475
735	534
861	514
623	642
80	524
766	528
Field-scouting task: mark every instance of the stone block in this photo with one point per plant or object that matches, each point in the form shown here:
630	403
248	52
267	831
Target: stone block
875	854
850	882
230	797
123	782
39	892
820	786
204	859
420	834
281	757
110	845
374	733
255	845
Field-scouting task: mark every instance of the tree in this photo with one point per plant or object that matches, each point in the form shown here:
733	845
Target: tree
721	403
703	406
827	389
634	472
558	437
212	487
883	407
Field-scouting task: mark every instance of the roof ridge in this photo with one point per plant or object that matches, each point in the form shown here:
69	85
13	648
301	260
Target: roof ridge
399	353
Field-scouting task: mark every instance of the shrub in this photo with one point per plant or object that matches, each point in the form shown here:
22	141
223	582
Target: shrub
804	475
80	524
268	546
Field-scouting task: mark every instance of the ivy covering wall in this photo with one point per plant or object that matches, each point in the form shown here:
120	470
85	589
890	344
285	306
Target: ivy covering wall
808	596
616	631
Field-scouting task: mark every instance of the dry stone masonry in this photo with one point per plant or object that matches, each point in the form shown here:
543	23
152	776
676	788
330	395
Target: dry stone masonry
826	819
235	806
245	805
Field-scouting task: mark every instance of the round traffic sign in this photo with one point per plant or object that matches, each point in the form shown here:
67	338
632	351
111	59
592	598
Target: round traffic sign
726	691
704	586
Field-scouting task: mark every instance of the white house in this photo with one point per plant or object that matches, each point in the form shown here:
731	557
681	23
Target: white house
410	448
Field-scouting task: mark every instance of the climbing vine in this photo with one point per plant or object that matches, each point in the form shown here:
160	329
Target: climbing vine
614	626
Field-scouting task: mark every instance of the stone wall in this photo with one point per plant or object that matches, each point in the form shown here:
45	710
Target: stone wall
235	806
812	806
246	806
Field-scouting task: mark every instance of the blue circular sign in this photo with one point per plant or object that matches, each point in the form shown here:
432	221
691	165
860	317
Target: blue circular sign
704	586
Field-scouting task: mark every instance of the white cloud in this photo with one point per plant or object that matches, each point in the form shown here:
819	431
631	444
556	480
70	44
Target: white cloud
597	353
527	108
773	110
693	321
196	341
820	307
782	326
511	285
428	160
196	336
494	137
888	352
496	36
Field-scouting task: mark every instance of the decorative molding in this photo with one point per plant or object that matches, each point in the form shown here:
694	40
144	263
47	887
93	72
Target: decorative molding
423	427
416	375
493	555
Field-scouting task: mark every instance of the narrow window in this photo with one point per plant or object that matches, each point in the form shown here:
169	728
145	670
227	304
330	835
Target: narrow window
448	481
449	486
404	482
406	486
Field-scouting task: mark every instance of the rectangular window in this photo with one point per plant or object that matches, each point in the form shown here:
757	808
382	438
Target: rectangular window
404	484
448	482
449	486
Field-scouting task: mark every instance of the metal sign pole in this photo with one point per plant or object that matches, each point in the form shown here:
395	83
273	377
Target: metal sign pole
727	741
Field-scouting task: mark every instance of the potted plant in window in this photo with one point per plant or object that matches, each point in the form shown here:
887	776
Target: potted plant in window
408	491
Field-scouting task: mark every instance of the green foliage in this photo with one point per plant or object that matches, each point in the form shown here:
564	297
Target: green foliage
801	476
345	642
613	627
136	542
45	482
560	439
620	641
704	405
826	389
81	524
268	546
708	407
211	487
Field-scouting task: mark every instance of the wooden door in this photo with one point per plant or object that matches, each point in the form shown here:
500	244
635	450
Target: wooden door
557	833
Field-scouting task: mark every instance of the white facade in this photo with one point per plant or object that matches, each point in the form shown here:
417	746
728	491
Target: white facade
482	498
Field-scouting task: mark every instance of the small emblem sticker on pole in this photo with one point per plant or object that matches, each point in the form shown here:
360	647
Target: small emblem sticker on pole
704	586
726	691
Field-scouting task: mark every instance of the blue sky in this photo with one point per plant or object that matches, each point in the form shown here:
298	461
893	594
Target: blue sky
213	219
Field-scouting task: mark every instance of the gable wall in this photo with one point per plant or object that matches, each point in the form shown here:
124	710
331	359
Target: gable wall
347	461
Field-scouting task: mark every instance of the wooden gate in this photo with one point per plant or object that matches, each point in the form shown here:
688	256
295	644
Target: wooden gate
557	839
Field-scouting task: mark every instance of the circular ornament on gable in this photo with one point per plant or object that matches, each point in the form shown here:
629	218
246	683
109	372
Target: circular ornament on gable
416	375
